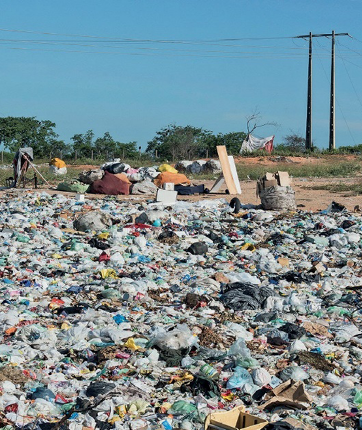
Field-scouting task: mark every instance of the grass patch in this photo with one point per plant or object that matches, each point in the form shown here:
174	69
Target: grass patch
72	173
318	170
331	167
353	189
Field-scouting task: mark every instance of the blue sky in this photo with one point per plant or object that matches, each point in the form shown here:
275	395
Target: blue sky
158	62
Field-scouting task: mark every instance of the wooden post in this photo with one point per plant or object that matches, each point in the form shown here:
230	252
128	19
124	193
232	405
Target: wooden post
308	132
332	119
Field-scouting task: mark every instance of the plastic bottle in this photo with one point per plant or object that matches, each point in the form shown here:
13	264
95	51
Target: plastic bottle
209	371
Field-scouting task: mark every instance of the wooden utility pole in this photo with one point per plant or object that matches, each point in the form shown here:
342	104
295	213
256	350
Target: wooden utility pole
308	133
332	117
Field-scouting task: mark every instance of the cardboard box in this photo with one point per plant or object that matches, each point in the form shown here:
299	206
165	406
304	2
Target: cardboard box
235	419
269	180
270	183
289	394
284	179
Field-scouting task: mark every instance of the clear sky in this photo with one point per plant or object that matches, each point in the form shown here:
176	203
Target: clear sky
152	63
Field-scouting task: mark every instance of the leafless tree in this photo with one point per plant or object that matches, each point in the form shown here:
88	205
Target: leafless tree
252	122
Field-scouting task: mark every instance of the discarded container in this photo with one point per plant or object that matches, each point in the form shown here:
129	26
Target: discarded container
234	420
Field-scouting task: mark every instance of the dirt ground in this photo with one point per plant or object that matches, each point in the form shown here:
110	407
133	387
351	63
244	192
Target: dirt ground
306	198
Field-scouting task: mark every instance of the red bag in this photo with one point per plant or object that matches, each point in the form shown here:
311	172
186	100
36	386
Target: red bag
110	185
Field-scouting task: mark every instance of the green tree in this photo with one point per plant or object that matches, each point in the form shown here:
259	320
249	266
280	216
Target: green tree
232	141
105	146
83	144
17	132
176	142
127	150
59	148
293	143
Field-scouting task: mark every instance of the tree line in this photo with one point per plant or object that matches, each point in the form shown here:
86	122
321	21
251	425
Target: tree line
171	143
20	132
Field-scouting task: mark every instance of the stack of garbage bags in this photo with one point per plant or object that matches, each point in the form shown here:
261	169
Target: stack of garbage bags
57	167
116	178
116	315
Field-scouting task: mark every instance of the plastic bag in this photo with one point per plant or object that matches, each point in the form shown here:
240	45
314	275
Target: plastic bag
240	377
239	349
261	377
178	338
339	403
293	372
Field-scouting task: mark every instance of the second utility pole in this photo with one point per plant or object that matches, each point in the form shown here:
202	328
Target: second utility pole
308	133
332	116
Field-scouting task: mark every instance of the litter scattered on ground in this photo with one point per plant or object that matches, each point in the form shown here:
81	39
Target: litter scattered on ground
121	315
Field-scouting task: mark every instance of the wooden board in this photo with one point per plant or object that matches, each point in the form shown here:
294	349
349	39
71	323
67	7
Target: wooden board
234	174
226	170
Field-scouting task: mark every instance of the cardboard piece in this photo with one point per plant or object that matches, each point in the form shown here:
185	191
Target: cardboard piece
279	178
298	424
317	329
284	180
270	183
290	394
235	419
166	197
284	262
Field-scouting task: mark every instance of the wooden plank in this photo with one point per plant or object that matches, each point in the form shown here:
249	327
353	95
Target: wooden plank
234	174
225	166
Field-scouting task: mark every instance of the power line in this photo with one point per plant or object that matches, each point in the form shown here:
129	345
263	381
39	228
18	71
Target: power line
339	106
140	48
350	79
143	40
350	62
255	56
65	42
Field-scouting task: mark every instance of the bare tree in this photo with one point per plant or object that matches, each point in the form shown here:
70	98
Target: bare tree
255	118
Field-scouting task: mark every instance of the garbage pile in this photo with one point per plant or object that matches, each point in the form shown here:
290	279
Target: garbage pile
57	167
120	315
116	178
199	166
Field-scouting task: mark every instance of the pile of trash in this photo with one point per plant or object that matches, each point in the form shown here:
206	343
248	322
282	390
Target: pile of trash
199	166
57	167
136	316
116	178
